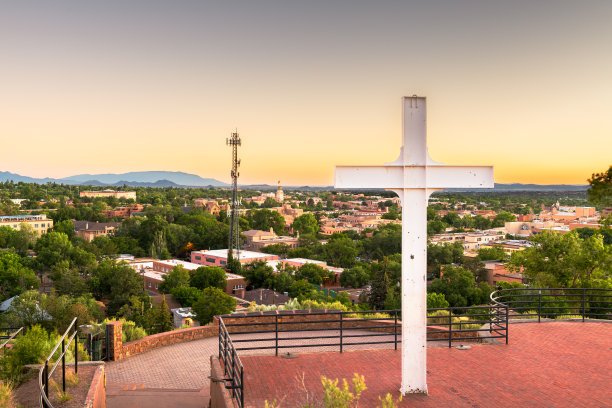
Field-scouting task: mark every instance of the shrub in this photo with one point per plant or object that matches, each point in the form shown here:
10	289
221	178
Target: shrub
6	395
131	332
33	347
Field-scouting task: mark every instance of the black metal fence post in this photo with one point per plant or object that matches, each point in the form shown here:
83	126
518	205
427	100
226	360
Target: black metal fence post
63	366
276	333
76	347
450	327
395	328
539	305
46	379
341	314
242	387
583	303
507	321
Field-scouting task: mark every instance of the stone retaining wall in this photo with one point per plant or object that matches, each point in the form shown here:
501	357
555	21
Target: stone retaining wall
118	350
96	397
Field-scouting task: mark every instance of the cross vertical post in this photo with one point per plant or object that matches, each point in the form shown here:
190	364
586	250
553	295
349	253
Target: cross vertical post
413	177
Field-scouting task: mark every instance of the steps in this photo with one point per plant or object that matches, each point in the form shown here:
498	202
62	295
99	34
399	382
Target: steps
137	396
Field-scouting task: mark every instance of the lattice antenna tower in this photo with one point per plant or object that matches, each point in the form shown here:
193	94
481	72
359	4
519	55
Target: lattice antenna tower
234	233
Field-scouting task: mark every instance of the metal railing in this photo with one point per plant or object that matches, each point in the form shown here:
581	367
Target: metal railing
343	329
96	345
9	336
232	366
550	303
469	323
44	374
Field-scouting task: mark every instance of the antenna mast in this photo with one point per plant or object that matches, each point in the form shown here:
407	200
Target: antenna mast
234	233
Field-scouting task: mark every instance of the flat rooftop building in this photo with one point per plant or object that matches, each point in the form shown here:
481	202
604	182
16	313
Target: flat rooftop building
39	223
218	257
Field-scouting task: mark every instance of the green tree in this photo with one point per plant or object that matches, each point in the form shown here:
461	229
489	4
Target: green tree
380	284
492	254
208	276
278	249
213	302
481	223
282	282
600	188
265	219
301	289
186	295
15	278
65	226
178	276
564	260
66	280
52	248
162	318
459	287
313	273
436	301
452	219
355	277
502	218
116	282
340	251
259	274
435	227
305	224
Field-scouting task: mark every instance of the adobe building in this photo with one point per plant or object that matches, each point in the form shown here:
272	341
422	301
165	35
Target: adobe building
154	270
256	239
497	272
109	193
88	230
211	206
218	257
39	223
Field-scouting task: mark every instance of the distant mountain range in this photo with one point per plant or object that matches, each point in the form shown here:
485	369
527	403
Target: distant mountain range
135	179
180	179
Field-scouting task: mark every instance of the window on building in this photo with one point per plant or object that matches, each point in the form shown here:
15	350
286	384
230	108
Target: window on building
149	284
198	257
156	286
223	262
210	260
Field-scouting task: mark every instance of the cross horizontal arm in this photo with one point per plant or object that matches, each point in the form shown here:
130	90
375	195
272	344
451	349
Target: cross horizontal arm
401	177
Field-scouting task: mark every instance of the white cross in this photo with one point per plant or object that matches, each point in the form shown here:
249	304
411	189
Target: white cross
414	176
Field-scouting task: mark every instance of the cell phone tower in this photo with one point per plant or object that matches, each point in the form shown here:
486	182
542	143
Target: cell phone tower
234	233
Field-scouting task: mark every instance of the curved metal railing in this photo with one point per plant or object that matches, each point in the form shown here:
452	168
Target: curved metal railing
9	337
551	303
44	374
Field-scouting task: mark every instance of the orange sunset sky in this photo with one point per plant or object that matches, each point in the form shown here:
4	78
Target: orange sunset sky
116	86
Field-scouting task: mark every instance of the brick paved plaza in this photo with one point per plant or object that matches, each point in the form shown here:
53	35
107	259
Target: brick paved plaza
556	364
553	364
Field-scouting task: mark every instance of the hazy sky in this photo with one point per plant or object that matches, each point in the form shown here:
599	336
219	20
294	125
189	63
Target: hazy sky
116	86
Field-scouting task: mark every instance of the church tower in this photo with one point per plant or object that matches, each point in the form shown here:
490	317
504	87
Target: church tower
279	194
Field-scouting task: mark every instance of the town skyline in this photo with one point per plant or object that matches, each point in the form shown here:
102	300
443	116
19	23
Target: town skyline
115	88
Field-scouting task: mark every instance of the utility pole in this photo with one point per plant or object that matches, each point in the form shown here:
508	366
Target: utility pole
234	233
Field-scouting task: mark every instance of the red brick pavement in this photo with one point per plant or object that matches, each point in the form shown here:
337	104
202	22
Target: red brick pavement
556	364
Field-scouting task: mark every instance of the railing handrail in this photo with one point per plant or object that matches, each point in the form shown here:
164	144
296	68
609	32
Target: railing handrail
230	364
11	336
44	373
556	302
